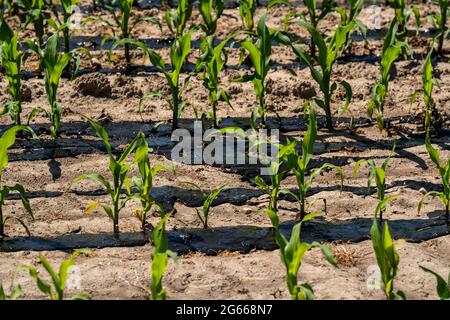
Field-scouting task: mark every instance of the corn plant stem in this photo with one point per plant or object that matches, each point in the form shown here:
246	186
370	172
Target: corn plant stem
292	286
302	194
116	217
262	103
216	122
39	29
2	227
447	212
125	35
442	36
175	106
381	215
66	40
312	48
18	121
116	198
312	45
329	117
54	118
302	205
274	201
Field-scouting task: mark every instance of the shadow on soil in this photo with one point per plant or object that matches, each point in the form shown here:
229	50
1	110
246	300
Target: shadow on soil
236	238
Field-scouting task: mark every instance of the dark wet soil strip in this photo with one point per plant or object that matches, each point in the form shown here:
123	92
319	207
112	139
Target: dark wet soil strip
236	238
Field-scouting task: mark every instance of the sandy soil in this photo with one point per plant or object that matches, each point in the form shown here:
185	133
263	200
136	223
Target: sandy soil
110	93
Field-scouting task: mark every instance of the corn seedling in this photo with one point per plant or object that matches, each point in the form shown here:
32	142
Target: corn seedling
279	170
313	17
292	252
211	12
178	54
177	19
329	52
208	199
211	63
247	9
15	290
387	257
259	53
6	141
119	170
53	64
11	58
122	21
444	171
301	167
144	183
439	21
402	16
432	116
379	173
55	289
36	15
355	7
391	50
68	8
442	287
160	258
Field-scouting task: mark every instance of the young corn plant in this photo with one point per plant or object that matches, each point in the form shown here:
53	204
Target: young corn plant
6	141
301	167
211	12
442	287
53	64
292	252
402	16
387	256
439	21
55	289
432	116
313	17
355	7
444	171
379	173
391	50
15	294
160	258
11	59
178	54
177	19
15	290
329	52
35	14
247	9
123	22
279	170
68	9
144	183
260	53
210	64
119	170
208	199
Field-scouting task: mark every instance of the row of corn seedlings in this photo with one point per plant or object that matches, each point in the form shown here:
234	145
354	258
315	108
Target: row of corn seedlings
291	250
323	54
290	161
